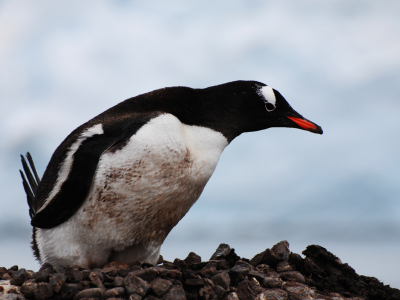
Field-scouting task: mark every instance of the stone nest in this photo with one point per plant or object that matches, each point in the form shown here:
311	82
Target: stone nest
275	273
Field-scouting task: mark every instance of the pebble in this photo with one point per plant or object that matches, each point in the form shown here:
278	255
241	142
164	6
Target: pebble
135	285
274	274
222	279
160	286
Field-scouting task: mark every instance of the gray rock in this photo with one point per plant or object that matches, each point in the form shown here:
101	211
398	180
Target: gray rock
69	290
118	281
74	273
89	293
222	279
298	290
95	278
272	294
18	277
192	258
222	250
195	282
244	291
114	293
272	282
238	273
56	281
135	297
43	291
147	274
29	287
135	285
283	266
160	286
232	296
219	291
176	292
292	275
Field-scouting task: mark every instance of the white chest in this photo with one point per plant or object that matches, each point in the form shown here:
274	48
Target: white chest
143	189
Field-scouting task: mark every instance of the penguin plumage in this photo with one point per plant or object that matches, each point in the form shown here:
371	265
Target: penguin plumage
118	184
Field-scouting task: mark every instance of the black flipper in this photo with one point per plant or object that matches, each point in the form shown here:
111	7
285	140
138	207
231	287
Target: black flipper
75	188
30	185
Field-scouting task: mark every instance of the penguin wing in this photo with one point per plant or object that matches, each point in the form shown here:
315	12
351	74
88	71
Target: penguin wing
67	185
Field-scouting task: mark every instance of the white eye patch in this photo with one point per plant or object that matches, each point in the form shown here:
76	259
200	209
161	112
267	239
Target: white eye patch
269	97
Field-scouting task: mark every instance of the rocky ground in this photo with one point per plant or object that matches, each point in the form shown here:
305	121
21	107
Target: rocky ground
275	273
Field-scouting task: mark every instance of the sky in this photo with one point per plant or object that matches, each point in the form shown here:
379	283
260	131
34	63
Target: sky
337	63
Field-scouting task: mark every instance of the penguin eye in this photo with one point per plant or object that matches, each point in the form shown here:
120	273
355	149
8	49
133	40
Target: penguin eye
269	106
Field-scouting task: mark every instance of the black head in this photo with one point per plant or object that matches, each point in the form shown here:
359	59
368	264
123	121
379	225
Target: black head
244	106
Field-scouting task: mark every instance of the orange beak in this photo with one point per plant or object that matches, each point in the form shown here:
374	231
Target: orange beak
306	125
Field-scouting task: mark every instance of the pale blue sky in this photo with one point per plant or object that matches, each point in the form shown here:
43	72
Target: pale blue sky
336	62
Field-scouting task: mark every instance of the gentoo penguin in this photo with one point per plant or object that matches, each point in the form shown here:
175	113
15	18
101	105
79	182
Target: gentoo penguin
119	183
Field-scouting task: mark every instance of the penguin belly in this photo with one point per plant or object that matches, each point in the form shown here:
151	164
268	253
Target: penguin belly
141	190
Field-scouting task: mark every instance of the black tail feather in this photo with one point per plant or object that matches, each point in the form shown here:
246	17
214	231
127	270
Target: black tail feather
31	184
29	157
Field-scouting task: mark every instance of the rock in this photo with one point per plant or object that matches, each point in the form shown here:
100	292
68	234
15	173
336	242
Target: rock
272	294
292	275
208	272
114	293
13	268
223	265
244	291
296	261
6	276
169	265
43	291
283	266
89	293
207	293
181	264
56	281
44	273
272	282
222	251
260	277
173	274
219	291
192	258
189	274
69	290
222	279
310	268
176	292
12	297
30	274
239	273
135	297
135	285
281	251
95	278
160	286
110	271
29	287
147	274
298	290
232	296
18	277
123	272
60	268
194	283
74	273
118	281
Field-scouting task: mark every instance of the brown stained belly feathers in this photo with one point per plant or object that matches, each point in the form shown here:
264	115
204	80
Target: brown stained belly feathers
145	198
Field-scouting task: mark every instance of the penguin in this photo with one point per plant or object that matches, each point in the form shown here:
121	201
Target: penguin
119	183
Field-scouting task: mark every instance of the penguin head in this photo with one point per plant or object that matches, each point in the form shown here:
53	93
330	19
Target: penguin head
263	107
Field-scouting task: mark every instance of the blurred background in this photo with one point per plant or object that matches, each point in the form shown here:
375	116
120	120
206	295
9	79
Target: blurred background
337	62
